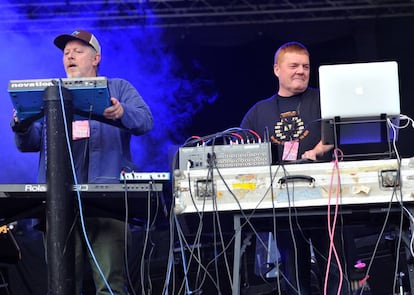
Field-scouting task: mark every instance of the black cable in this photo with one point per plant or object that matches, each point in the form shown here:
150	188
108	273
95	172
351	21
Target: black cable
126	220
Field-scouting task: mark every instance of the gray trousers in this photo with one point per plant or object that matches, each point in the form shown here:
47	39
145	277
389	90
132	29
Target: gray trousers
107	239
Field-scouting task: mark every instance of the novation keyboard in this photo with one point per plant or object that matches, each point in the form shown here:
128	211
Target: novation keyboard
365	182
89	95
19	201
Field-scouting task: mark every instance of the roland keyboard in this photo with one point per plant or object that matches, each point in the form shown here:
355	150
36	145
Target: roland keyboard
19	201
34	190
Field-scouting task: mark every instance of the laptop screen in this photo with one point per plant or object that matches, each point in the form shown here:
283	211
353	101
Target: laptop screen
359	90
356	100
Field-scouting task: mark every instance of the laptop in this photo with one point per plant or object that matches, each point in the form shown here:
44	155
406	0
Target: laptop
359	90
359	97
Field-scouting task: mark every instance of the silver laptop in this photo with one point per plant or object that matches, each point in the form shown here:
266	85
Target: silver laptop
359	90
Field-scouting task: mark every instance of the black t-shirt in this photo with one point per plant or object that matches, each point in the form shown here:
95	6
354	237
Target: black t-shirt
295	118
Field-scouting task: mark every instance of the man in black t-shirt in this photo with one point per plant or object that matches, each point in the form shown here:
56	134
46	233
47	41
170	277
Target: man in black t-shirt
292	119
292	115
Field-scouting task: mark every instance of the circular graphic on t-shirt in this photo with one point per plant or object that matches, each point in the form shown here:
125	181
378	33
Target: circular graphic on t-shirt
289	128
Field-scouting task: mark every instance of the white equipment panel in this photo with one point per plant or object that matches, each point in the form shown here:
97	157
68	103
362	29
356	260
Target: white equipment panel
295	185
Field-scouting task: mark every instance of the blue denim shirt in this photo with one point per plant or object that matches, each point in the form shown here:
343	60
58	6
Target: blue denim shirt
108	145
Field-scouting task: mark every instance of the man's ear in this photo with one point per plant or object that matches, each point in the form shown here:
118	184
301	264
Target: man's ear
97	59
276	70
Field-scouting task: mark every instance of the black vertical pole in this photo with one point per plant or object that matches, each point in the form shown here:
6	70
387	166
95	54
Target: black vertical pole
59	198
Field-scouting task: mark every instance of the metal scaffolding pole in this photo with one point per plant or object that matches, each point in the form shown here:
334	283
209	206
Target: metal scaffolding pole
59	198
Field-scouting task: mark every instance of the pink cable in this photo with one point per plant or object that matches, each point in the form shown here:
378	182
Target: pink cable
238	136
331	231
255	134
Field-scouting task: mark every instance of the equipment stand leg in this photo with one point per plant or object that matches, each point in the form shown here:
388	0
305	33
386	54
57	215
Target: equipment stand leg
59	198
409	257
236	259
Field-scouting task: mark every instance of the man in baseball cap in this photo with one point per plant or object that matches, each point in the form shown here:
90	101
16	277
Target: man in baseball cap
88	38
81	53
100	151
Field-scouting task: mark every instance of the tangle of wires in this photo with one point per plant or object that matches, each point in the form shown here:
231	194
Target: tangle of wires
208	268
229	136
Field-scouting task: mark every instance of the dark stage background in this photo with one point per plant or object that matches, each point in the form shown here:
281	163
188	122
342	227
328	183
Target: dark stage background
199	78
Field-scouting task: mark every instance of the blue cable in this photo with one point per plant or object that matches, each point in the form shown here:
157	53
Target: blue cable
78	192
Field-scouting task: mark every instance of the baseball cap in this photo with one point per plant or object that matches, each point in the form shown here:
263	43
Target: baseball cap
61	40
